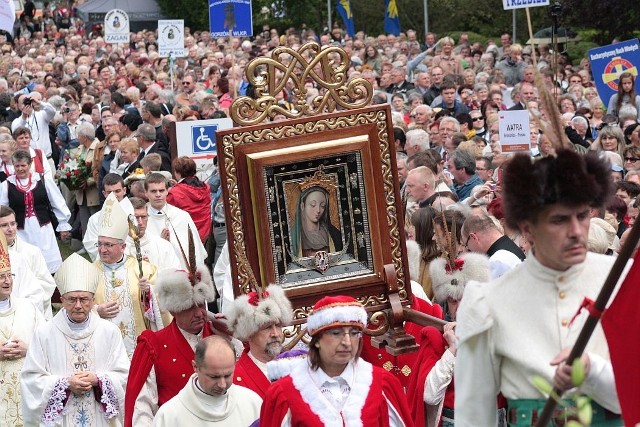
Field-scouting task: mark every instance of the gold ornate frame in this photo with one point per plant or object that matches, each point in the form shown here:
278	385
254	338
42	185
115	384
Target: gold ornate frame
334	122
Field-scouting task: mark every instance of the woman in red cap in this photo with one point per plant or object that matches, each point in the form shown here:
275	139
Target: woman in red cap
335	387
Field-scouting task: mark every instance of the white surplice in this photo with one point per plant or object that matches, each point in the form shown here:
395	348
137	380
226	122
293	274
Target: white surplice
192	407
25	284
171	218
18	322
38	266
57	352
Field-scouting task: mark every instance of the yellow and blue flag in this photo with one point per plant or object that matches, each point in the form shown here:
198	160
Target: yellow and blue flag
391	19
344	9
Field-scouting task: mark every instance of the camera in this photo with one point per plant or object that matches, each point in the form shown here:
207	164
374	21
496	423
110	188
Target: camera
66	110
27	101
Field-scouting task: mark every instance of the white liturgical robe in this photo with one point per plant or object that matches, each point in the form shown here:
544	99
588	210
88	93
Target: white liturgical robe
173	218
58	350
19	321
239	406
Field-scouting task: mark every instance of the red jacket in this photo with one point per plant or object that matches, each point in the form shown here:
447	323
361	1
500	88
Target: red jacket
196	201
248	375
169	352
402	366
366	405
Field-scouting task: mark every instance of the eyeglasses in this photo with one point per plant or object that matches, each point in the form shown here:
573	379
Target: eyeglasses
6	276
339	334
186	83
466	242
631	159
106	245
477	119
74	301
481	169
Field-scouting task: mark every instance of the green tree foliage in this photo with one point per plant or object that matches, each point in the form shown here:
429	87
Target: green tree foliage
610	18
194	12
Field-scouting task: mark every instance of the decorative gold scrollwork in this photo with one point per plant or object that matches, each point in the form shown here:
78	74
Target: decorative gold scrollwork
326	67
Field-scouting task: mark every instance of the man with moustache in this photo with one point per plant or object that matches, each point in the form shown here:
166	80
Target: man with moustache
162	362
541	296
257	319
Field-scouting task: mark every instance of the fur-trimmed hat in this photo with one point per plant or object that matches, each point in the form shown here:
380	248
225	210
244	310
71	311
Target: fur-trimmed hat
569	178
334	312
253	311
176	293
450	282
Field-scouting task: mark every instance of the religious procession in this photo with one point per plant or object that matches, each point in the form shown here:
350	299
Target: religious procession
308	228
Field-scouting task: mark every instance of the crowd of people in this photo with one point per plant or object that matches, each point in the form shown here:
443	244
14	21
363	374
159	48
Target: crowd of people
86	158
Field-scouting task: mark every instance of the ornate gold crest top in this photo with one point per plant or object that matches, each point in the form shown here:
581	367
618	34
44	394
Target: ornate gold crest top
318	179
325	68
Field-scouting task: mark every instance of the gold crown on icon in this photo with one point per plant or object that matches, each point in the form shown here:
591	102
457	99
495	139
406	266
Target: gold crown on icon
318	179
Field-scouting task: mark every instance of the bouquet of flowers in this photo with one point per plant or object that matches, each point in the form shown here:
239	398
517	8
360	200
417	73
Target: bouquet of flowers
73	172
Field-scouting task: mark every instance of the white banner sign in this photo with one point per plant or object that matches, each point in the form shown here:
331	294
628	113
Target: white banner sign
116	27
171	38
7	15
514	130
197	139
521	4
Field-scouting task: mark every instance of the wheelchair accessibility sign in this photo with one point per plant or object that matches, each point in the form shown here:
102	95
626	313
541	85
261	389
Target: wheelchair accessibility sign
197	139
204	138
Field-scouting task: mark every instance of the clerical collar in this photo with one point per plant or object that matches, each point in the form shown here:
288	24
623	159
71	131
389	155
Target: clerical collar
115	265
77	326
197	383
5	304
154	211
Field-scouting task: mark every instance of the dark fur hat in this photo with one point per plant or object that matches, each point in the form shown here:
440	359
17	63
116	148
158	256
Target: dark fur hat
568	178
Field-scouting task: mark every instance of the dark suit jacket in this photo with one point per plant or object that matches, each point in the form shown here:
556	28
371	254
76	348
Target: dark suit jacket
166	158
517	106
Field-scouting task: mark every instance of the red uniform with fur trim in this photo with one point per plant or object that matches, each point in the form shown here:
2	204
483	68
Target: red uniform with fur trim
170	354
367	405
247	374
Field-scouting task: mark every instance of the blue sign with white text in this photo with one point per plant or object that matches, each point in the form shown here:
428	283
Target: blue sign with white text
203	139
608	62
230	15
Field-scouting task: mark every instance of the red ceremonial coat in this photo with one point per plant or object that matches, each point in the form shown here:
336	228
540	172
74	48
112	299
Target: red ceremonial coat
366	405
404	365
170	354
247	374
431	350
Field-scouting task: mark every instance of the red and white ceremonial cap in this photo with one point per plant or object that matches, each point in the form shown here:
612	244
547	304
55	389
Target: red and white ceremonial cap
334	312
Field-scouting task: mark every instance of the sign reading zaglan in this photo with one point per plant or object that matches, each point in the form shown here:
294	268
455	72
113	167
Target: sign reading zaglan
521	4
171	37
116	26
